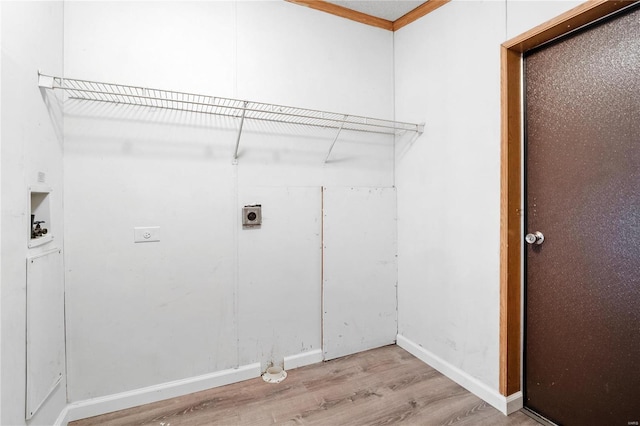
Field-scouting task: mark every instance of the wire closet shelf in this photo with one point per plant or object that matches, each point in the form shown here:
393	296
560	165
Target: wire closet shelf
227	107
190	102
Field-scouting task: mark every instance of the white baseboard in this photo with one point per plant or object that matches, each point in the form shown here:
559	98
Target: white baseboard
120	401
107	404
506	405
302	359
514	402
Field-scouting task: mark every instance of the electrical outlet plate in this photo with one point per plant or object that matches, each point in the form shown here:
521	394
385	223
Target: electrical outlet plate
252	216
146	234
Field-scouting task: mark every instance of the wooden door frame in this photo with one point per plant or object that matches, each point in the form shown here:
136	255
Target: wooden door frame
511	172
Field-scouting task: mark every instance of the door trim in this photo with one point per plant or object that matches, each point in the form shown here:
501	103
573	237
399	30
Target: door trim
511	279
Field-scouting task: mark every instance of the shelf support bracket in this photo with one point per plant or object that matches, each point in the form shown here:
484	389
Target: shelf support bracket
335	139
235	154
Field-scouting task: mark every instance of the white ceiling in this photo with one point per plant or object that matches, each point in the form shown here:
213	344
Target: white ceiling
385	9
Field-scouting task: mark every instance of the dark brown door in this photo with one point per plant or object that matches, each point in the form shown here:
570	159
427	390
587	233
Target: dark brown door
582	288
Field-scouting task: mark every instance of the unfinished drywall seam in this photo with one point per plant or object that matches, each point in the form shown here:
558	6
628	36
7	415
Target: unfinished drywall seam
394	166
235	50
393	104
236	269
1	214
64	275
322	247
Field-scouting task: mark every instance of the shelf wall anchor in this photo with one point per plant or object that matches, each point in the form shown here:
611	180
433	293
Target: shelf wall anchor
45	81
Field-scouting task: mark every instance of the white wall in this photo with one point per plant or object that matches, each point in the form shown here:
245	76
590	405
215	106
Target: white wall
207	296
1	214
447	73
523	15
31	142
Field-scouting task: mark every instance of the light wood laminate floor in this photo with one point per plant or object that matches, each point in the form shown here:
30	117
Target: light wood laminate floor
382	386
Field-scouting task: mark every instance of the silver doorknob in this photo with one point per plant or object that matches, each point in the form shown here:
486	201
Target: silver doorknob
535	238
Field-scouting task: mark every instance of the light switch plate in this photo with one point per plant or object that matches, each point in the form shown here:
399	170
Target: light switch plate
146	234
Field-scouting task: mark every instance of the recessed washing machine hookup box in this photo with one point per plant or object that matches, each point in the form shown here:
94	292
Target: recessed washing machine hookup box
252	215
